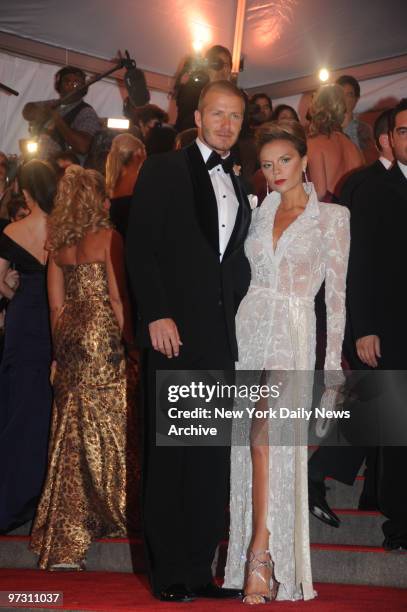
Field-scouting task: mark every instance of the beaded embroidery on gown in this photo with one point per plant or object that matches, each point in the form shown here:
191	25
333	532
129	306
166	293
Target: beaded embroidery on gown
275	329
91	486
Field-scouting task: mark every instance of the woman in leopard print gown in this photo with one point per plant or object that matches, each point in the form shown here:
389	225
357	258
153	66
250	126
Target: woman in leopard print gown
91	486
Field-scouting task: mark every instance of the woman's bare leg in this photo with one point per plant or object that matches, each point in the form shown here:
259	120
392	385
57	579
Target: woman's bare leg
260	537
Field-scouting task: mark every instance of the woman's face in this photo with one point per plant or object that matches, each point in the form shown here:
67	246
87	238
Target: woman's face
282	165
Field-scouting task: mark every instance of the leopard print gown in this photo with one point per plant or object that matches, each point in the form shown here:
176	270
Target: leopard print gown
92	481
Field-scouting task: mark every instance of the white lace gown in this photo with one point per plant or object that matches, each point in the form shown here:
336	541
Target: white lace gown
276	331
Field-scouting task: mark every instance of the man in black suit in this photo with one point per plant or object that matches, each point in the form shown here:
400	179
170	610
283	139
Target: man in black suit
378	306
187	267
343	463
379	167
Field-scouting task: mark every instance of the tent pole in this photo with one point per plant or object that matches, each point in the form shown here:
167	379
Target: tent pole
237	42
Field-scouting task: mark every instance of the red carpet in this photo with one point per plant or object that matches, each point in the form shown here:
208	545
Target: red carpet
117	592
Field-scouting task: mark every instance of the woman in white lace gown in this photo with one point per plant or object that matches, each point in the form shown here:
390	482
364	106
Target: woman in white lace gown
294	244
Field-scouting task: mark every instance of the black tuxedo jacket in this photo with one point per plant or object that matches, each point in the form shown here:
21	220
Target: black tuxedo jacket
172	250
377	299
349	194
357	178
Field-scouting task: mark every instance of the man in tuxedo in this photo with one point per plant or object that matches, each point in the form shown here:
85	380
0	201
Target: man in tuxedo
187	267
378	306
344	463
379	167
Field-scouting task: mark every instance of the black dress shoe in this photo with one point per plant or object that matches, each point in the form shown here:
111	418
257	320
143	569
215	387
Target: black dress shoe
318	505
212	591
394	544
175	592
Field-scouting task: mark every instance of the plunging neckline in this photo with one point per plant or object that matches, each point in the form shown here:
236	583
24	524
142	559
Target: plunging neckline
25	250
275	246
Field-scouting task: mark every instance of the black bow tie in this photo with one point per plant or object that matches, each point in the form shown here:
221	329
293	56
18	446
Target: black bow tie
215	159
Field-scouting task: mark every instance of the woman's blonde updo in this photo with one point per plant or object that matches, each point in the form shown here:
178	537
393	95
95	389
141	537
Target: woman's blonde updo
327	110
120	154
282	130
80	207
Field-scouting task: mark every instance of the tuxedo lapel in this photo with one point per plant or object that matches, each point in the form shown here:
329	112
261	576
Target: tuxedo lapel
204	196
242	218
398	181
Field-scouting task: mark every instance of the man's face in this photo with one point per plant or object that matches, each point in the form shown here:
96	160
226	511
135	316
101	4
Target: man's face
399	137
224	73
350	97
69	83
264	108
220	120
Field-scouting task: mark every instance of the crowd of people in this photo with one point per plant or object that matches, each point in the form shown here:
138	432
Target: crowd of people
148	255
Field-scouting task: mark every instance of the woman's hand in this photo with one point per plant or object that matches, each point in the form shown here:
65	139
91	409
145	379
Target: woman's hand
53	372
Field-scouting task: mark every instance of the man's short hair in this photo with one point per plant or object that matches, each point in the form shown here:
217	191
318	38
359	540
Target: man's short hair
382	126
150	111
213	53
401	106
347	79
222	86
62	72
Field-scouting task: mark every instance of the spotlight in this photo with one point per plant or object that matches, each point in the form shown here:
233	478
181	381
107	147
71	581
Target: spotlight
118	124
31	146
28	147
198	45
323	75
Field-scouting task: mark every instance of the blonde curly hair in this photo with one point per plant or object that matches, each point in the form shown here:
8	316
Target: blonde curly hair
79	207
327	110
120	154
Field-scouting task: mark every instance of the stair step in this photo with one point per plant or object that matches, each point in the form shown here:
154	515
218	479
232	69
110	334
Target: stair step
105	554
347	564
357	527
342	495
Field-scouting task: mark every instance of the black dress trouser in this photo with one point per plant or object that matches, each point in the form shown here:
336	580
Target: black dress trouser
186	487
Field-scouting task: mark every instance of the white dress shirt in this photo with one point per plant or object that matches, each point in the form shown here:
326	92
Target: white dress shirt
386	162
226	199
403	168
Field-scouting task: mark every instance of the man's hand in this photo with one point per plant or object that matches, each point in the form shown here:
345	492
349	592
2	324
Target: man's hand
165	337
368	350
12	279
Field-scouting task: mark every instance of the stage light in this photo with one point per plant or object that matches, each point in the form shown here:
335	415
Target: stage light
201	34
31	146
118	124
198	45
323	75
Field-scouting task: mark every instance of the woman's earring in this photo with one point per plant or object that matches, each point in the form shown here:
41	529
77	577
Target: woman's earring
267	187
307	183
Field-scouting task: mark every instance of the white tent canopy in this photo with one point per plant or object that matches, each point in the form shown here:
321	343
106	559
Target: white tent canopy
284	41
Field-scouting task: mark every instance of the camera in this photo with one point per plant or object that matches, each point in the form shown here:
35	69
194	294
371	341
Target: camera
197	68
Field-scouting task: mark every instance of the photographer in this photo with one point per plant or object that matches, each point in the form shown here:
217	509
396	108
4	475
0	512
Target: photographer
216	65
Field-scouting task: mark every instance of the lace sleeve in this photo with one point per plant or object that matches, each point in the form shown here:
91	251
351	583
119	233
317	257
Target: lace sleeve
337	253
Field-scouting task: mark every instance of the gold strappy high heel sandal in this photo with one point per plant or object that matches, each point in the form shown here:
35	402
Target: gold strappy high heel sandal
253	567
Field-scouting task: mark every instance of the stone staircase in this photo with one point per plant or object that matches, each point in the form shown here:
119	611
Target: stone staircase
351	554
